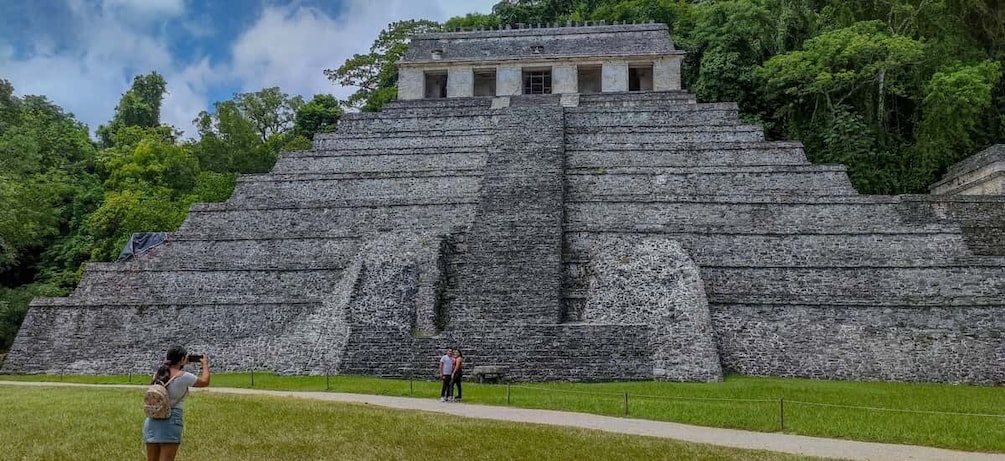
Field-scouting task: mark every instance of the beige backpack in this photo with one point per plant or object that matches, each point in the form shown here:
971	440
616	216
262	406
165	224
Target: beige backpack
157	402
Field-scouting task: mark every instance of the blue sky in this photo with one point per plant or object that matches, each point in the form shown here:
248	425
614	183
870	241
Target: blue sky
83	54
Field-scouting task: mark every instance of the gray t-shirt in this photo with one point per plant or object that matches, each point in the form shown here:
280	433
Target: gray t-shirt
448	364
178	389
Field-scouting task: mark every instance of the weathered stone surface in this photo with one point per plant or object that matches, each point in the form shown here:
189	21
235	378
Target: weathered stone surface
653	282
980	174
628	39
503	231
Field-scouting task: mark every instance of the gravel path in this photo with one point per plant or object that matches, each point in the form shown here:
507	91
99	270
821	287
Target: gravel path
785	443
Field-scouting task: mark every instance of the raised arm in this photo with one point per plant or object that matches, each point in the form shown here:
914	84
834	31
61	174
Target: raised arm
203	380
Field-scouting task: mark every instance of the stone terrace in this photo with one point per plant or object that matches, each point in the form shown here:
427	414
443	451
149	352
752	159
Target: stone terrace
619	236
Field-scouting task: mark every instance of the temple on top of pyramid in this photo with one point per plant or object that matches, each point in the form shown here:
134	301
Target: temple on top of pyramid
556	60
551	202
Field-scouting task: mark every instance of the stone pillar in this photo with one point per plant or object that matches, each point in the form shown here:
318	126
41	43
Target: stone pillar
411	83
460	82
509	80
666	74
615	77
564	79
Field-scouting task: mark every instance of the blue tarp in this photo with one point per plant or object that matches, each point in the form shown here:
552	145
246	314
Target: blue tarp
140	243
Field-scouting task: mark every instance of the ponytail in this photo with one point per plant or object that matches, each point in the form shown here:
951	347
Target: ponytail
174	356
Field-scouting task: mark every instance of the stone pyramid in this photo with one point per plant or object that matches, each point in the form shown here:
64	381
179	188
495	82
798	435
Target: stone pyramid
601	237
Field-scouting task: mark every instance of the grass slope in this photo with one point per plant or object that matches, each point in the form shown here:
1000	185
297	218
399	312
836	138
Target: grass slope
100	424
672	402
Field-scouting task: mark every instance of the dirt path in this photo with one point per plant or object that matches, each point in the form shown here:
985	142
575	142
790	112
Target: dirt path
785	443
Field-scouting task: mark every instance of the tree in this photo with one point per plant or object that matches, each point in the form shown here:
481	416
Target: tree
955	100
375	74
150	166
44	154
472	21
140	106
532	11
229	142
321	114
269	110
245	134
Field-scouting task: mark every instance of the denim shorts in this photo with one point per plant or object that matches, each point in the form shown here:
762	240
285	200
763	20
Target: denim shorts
164	430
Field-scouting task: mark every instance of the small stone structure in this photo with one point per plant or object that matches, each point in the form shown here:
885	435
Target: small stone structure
572	236
488	373
980	174
553	60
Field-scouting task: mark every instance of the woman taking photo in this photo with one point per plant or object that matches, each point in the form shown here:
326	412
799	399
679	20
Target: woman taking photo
163	436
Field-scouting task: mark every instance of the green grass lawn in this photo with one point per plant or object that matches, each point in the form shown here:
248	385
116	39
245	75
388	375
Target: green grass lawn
101	424
673	402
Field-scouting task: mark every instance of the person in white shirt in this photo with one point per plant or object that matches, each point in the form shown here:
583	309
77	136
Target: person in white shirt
163	436
446	375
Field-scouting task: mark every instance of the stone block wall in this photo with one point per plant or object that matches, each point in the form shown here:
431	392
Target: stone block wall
615	236
979	174
803	276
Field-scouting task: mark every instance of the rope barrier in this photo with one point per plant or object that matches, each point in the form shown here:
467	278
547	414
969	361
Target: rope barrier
657	397
896	410
712	399
798	402
619	394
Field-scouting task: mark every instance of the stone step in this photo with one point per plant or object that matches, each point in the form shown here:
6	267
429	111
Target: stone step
327	188
359	175
387	151
438	105
644	183
831	250
249	254
477	111
909	286
232	301
376	201
687	155
132	281
658	139
226	221
371	163
694	107
699	115
402	123
637	99
404	141
936	286
779	214
404	134
535	100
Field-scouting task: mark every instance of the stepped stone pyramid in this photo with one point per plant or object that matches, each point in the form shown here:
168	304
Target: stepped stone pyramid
612	229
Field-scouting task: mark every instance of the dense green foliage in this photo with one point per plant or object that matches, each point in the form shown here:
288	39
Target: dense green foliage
66	200
839	409
897	90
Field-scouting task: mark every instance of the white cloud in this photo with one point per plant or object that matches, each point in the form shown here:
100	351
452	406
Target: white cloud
147	8
186	96
291	46
286	46
88	77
